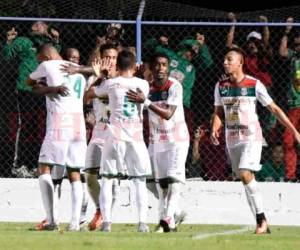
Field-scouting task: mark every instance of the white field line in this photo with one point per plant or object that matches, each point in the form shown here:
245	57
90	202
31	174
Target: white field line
202	236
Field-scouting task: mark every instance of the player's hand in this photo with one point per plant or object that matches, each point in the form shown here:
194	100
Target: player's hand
214	137
61	90
223	77
263	19
96	65
200	38
106	66
69	69
135	96
199	133
231	16
289	27
54	34
11	35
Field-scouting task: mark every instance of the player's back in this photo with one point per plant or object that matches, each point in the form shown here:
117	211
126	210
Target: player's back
125	114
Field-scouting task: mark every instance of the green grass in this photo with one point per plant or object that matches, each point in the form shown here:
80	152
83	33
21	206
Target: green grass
15	236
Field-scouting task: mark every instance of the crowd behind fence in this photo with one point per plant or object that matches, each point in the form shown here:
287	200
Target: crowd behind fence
196	51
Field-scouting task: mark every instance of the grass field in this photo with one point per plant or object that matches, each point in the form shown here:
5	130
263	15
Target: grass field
15	236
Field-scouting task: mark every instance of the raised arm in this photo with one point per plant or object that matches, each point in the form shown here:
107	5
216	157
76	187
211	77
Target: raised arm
266	31
230	35
283	48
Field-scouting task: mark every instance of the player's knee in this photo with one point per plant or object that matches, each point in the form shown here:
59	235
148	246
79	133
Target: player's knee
164	183
246	176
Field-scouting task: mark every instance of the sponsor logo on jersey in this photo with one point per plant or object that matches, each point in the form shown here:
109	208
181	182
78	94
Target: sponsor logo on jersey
164	95
189	68
174	63
244	91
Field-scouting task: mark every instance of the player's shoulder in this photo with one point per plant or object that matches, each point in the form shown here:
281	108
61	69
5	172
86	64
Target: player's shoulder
173	84
249	82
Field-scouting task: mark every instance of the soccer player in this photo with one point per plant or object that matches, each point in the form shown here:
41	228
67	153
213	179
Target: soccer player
125	152
169	137
235	99
65	140
107	65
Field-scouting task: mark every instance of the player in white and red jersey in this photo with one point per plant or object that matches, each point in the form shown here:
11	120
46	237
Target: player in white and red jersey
125	152
236	98
169	137
65	140
101	112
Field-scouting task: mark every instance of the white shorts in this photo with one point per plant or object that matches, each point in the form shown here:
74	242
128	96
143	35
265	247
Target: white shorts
63	152
245	156
95	147
58	172
171	163
125	158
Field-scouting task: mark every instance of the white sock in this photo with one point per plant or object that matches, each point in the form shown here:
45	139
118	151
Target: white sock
47	192
172	201
85	202
76	194
56	197
249	200
106	198
162	196
115	193
93	188
255	195
141	198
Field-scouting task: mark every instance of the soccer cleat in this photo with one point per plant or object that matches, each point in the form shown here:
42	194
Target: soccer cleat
165	224
39	226
159	229
262	228
73	227
143	228
49	227
106	227
83	226
96	221
180	218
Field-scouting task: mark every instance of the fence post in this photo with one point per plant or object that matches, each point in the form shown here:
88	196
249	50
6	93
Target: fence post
139	32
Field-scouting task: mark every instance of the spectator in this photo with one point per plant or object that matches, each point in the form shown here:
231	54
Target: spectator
30	108
258	52
208	159
293	55
273	169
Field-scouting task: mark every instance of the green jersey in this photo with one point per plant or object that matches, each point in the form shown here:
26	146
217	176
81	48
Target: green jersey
25	49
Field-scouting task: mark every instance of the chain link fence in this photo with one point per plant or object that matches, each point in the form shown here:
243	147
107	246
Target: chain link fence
196	51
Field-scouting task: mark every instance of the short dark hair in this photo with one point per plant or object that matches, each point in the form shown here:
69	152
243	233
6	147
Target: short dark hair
125	60
238	50
67	51
107	46
156	55
43	49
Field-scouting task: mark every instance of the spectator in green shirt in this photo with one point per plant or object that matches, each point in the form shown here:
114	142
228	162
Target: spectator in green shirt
273	169
30	108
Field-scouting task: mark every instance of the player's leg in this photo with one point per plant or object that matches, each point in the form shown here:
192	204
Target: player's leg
139	167
85	202
250	162
115	193
92	166
76	198
47	192
112	152
174	161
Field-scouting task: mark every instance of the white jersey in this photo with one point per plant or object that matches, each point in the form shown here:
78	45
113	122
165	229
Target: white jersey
63	112
239	103
126	117
166	134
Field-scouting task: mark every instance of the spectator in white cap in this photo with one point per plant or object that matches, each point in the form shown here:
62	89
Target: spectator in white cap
255	35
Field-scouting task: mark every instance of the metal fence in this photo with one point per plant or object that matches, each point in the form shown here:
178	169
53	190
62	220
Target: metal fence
207	43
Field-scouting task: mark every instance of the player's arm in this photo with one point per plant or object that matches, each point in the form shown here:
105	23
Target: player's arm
230	35
77	69
139	97
99	91
198	135
216	124
283	119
